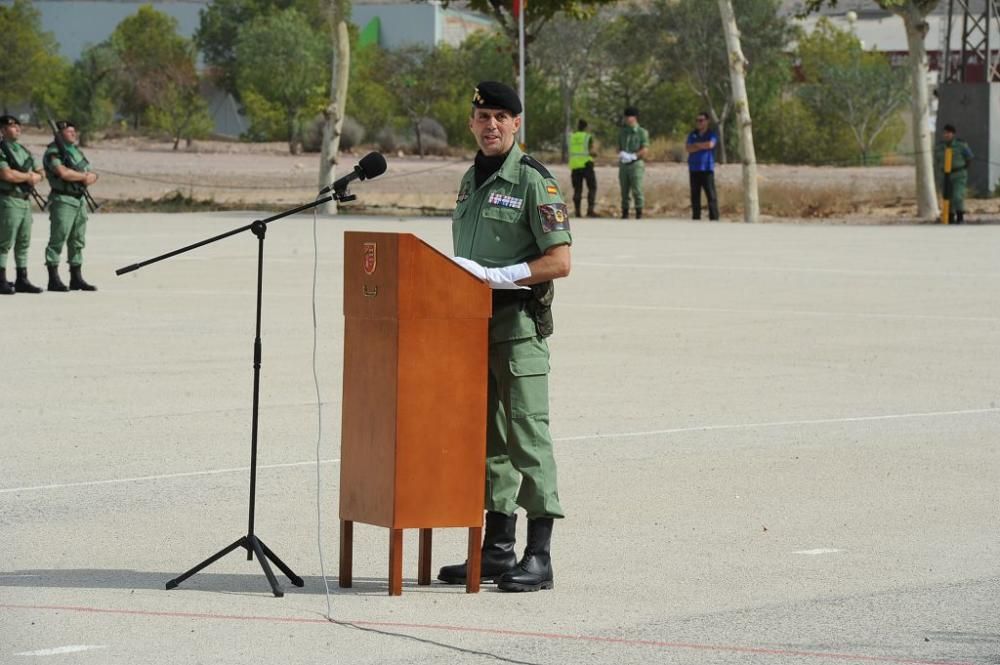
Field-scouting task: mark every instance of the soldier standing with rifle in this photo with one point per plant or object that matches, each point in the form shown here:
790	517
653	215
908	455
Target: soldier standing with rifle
69	175
18	178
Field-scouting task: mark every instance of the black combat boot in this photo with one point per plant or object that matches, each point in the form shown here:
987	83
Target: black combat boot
638	213
960	217
498	552
534	572
6	288
55	284
624	212
76	281
22	285
576	210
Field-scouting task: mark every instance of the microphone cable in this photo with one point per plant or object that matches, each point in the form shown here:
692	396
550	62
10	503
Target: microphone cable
319	419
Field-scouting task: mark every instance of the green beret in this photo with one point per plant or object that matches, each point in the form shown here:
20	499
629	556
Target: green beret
496	95
8	120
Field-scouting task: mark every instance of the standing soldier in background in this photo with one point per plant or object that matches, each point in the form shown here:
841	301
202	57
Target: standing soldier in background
633	143
69	175
951	185
581	164
17	168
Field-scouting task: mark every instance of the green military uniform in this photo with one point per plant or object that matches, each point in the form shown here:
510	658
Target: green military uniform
955	186
514	216
15	208
632	139
67	207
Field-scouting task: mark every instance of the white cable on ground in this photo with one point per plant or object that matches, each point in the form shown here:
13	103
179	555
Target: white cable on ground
319	422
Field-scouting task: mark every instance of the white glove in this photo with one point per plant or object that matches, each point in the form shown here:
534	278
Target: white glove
498	278
627	157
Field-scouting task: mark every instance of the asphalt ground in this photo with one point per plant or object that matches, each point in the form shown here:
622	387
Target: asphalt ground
777	444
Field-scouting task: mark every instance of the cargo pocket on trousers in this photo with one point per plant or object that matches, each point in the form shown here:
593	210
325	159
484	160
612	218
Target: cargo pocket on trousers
529	387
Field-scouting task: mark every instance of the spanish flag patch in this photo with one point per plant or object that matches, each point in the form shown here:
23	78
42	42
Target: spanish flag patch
551	189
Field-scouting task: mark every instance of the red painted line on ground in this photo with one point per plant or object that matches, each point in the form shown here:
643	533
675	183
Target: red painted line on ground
494	631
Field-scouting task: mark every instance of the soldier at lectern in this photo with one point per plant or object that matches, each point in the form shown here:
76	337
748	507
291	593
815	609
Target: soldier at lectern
511	228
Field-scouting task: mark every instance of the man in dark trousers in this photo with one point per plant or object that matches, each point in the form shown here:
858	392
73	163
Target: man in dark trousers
581	166
700	147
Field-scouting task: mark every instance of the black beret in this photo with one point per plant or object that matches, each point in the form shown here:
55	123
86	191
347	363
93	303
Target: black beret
496	95
63	124
949	128
632	111
8	120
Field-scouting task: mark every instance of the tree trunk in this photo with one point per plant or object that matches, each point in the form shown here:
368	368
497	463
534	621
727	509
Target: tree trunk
737	64
333	114
567	100
916	31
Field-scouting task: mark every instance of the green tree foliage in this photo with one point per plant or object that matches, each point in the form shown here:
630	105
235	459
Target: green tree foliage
220	23
90	89
178	107
29	54
848	88
414	76
284	61
685	38
153	62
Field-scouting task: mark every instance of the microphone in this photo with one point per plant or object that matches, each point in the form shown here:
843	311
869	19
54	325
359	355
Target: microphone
371	165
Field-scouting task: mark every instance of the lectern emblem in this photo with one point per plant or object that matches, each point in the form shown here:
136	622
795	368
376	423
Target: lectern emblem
370	258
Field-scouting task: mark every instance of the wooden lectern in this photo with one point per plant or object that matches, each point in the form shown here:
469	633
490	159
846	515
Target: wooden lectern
413	444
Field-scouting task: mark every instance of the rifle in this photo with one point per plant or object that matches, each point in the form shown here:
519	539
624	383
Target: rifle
70	164
25	187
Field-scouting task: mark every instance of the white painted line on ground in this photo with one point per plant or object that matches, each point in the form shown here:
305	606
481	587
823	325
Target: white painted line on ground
821	550
829	271
782	423
72	648
585	437
187	474
788	312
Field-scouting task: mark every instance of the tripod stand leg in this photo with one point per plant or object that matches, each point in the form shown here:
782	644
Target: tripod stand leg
275	587
292	577
207	562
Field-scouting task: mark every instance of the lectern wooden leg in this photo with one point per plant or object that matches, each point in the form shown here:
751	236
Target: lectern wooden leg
475	558
346	553
396	562
424	567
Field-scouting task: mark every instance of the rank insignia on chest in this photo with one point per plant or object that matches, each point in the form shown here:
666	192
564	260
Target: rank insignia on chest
555	217
463	195
505	201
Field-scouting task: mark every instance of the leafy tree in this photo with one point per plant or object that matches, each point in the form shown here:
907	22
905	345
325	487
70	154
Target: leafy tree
686	38
283	60
177	105
220	23
414	76
849	87
90	89
536	16
914	15
565	53
151	58
29	54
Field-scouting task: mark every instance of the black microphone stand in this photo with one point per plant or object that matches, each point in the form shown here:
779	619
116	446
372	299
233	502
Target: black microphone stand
250	542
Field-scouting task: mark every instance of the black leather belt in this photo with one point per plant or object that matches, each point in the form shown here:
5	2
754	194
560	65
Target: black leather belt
510	296
16	195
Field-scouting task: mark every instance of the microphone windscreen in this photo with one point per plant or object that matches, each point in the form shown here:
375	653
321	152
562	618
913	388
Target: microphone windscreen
372	164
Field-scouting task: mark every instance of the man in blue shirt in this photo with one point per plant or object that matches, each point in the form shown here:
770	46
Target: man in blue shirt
701	164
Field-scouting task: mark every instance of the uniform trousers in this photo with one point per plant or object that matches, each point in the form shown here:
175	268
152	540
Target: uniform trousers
15	230
630	178
578	177
520	466
68	226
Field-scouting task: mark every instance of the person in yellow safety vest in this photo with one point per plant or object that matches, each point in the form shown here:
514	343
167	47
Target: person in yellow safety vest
582	150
